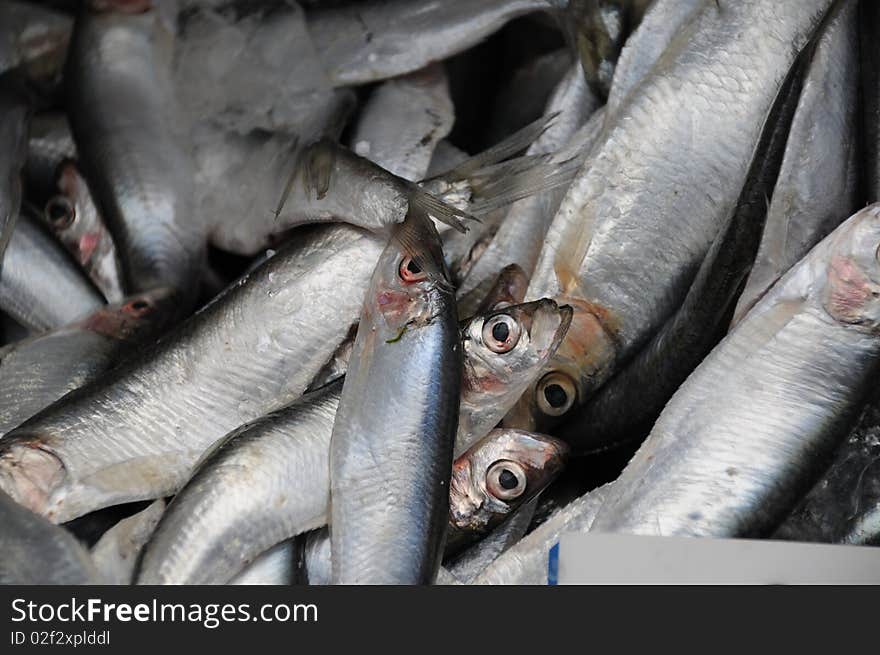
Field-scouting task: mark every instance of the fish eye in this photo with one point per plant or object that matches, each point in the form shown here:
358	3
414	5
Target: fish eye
60	212
501	333
138	307
555	394
506	480
409	271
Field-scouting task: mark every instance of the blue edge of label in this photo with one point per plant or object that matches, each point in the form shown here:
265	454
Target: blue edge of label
553	565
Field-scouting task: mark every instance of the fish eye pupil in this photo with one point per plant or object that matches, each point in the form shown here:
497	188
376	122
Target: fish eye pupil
413	268
507	480
500	332
555	395
139	304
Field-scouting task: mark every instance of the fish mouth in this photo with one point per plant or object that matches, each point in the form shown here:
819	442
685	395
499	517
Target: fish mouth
30	474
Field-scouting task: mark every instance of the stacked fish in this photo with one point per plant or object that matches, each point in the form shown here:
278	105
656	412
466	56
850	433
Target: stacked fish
317	293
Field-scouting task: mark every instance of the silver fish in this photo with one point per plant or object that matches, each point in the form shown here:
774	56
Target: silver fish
288	452
407	349
41	287
35	552
372	41
817	186
134	151
136	433
50	143
746	435
641	215
117	551
76	221
37	371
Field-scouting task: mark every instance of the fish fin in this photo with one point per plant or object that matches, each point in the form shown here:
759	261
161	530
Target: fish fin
440	210
515	143
505	183
417	237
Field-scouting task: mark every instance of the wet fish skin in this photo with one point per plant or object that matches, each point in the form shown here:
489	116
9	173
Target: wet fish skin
117	551
76	221
371	41
33	551
494	477
201	540
253	349
526	561
631	231
818	185
844	504
274	567
134	151
37	371
625	408
50	142
14	116
754	426
41	287
407	349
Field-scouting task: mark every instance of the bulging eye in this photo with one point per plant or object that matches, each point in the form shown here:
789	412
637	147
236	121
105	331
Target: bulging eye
555	394
409	271
501	333
506	480
60	212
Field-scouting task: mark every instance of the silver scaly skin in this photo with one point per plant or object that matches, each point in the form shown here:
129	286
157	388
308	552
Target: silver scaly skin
818	183
41	287
755	424
35	552
134	150
37	371
117	551
274	567
270	479
136	433
656	187
391	449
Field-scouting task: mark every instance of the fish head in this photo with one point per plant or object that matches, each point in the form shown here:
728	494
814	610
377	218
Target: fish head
135	317
496	475
852	290
73	215
509	289
410	284
578	366
505	351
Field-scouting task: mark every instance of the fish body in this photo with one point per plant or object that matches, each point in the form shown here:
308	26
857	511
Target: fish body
755	424
41	287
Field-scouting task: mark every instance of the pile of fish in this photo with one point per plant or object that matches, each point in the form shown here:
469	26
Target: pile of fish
398	291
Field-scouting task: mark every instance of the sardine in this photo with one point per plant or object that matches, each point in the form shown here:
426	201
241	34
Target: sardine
817	186
753	427
625	244
391	449
36	372
41	287
134	150
136	433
